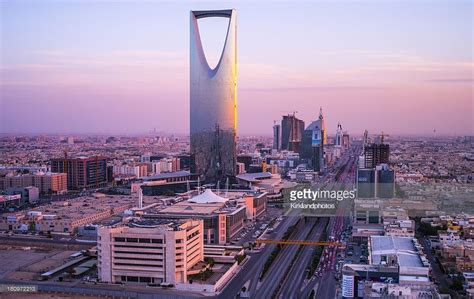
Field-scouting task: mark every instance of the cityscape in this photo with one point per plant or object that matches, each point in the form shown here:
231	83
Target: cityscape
136	171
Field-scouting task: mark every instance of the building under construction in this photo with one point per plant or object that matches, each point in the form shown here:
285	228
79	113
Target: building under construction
376	154
291	132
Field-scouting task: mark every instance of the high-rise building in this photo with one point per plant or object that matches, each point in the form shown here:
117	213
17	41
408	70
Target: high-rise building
276	137
82	172
213	103
378	182
366	179
385	187
339	135
292	130
345	140
376	154
312	145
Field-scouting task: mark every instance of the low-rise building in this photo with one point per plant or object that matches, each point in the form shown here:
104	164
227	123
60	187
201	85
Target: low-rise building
151	251
66	216
46	182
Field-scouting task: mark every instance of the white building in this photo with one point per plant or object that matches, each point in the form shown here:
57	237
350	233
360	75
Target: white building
155	251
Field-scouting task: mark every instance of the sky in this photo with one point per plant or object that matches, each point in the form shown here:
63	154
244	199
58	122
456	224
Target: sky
402	67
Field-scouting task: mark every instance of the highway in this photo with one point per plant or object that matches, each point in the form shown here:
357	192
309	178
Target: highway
297	274
324	276
254	266
274	276
293	284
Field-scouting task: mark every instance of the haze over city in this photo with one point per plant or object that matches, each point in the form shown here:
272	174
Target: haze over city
108	67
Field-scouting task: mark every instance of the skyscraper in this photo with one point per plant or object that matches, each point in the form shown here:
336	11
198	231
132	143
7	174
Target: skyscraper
376	154
276	137
213	103
339	135
292	130
312	145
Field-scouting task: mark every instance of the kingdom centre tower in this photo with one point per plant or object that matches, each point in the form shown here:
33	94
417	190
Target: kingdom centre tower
213	103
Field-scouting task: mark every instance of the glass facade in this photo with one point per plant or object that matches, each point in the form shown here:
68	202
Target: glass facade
213	104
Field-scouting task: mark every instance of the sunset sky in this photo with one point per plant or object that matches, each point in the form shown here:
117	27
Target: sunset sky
404	67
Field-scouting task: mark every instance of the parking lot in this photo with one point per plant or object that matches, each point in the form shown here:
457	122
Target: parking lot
27	263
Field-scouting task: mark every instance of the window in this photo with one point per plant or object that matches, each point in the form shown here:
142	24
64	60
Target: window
159	241
132	278
119	239
145	279
179	241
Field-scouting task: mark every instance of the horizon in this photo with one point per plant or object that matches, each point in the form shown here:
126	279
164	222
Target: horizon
116	68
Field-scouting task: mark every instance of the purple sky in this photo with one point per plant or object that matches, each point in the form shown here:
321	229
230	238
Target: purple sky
110	67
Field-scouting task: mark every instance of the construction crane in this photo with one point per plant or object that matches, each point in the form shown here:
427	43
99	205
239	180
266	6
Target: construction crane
299	242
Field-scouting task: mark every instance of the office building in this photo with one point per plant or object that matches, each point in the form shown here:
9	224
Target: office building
365	179
376	182
82	172
150	251
385	178
339	134
213	103
345	140
276	137
312	146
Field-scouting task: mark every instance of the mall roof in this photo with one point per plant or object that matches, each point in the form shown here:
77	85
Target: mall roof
254	177
208	197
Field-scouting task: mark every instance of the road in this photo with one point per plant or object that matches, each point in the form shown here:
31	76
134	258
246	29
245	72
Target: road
297	274
274	276
324	276
252	269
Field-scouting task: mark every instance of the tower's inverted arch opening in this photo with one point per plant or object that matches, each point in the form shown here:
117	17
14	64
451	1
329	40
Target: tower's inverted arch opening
213	32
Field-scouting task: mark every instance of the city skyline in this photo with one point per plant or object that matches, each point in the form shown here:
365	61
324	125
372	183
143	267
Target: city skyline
404	68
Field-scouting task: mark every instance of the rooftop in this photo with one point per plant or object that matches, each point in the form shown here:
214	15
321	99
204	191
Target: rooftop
208	197
402	247
254	177
168	175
